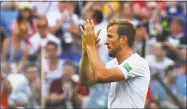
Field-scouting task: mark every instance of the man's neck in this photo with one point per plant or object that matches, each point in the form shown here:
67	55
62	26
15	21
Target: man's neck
43	36
123	54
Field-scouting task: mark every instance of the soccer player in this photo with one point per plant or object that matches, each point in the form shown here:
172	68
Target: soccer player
128	73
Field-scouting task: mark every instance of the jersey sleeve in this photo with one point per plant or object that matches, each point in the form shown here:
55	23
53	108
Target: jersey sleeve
132	69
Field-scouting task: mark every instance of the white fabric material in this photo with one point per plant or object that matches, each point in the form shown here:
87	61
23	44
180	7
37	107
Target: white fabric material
37	42
132	91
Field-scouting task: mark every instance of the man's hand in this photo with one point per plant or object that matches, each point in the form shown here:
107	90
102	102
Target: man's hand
84	48
84	52
89	36
56	97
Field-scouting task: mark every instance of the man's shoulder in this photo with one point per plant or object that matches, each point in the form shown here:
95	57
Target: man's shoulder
111	63
34	37
137	63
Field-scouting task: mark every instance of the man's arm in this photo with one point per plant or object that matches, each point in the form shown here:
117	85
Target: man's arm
101	73
86	76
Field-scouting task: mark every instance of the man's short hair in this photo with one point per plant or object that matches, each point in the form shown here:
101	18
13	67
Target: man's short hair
125	28
42	18
52	43
29	65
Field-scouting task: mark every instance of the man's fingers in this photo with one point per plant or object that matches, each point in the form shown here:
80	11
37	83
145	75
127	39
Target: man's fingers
97	42
98	32
88	24
92	24
82	30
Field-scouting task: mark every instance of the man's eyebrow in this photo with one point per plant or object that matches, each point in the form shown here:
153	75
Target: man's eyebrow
109	35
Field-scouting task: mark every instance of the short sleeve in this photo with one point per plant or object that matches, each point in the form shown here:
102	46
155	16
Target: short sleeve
131	69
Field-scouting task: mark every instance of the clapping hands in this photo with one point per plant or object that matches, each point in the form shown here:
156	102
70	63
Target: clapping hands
90	38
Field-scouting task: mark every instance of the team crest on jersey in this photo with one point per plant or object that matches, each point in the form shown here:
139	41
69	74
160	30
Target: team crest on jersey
127	67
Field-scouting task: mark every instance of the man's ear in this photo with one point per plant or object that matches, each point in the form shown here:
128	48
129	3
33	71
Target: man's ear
123	39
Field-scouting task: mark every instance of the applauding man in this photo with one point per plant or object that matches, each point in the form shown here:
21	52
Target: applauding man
128	73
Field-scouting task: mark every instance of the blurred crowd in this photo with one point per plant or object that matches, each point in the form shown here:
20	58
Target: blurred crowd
41	50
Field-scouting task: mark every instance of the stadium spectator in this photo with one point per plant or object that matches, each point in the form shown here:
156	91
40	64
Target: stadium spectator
41	38
151	17
53	67
176	40
64	24
177	36
159	62
64	92
127	14
27	92
141	40
15	49
25	16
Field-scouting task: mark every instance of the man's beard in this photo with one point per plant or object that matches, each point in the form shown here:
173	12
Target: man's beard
114	52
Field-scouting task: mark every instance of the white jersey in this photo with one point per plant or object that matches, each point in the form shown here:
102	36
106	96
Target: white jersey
132	91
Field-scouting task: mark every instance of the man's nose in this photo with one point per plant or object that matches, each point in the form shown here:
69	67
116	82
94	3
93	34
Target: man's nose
106	42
